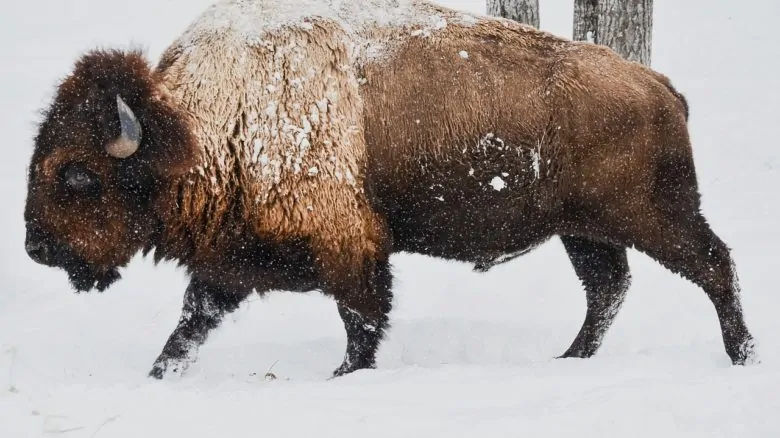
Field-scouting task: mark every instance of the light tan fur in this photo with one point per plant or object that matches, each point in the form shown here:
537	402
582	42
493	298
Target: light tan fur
281	130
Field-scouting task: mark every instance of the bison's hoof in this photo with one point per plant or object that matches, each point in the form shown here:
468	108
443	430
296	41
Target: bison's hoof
482	268
168	368
576	353
349	367
568	355
745	353
157	373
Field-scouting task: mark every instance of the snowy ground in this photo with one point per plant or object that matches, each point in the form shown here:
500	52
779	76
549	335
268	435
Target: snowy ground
469	355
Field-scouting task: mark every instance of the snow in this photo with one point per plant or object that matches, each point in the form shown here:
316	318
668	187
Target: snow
497	183
535	163
250	20
468	354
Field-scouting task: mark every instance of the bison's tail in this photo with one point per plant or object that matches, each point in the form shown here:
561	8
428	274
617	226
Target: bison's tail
668	84
681	98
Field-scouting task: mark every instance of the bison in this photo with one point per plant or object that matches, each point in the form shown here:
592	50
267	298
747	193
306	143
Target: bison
296	145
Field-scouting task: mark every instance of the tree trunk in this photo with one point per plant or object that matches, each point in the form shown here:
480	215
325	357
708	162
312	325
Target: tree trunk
524	11
626	26
586	20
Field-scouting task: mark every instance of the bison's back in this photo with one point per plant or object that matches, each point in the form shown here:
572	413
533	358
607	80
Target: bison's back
490	129
460	146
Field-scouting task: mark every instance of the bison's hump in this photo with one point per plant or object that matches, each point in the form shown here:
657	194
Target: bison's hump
249	21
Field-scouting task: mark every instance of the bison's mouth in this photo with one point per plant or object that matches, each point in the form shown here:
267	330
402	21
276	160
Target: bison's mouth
83	276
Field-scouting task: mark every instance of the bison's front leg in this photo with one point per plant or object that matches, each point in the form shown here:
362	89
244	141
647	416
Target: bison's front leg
364	302
205	305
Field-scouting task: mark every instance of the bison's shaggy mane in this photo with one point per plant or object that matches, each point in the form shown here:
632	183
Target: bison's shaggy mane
87	98
80	124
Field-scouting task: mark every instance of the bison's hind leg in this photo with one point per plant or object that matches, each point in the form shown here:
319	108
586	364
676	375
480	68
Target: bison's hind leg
668	226
689	247
603	270
684	243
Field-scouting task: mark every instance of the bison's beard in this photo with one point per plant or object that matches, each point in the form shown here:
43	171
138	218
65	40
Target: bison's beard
84	277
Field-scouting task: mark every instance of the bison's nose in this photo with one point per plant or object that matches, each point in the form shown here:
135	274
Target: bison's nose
37	248
38	252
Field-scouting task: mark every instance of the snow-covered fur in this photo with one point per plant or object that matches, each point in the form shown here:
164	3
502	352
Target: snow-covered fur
296	144
278	118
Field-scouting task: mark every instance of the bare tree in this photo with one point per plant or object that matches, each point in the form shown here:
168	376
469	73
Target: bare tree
524	11
586	20
626	26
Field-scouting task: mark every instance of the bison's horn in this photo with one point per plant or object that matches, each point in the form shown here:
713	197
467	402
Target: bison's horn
130	139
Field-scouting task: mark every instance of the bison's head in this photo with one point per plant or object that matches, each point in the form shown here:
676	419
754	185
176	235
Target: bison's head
110	145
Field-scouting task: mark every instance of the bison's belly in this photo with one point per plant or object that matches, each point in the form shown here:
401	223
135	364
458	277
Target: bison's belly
462	211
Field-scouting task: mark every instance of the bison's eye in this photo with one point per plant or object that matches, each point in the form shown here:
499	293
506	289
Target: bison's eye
79	179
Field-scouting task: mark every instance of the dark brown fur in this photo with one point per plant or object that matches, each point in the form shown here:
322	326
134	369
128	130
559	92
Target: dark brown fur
590	148
110	226
602	130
